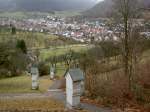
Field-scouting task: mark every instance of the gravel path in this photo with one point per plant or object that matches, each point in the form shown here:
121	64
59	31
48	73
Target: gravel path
55	85
60	95
24	96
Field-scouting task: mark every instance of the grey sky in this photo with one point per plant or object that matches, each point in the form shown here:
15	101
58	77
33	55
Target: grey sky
47	4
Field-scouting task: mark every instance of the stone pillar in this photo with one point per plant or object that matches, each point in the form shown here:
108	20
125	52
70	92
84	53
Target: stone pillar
52	73
35	76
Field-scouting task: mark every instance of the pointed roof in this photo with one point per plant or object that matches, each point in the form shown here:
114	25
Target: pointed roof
76	74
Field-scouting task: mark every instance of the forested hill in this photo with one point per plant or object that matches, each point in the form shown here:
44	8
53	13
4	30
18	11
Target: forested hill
45	5
105	8
102	9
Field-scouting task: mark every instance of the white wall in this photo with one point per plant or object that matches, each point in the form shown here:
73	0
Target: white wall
73	91
77	87
34	77
69	89
35	81
76	100
69	82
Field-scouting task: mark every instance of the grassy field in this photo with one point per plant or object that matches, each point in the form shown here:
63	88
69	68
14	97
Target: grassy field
33	40
24	15
22	84
61	50
17	15
67	13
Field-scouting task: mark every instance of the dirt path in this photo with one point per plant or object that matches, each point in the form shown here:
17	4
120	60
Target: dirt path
54	93
60	95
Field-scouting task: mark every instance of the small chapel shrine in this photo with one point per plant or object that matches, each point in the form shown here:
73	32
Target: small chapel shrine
74	88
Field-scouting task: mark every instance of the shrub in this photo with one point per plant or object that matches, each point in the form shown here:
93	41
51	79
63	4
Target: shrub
13	30
22	45
4	73
43	69
12	60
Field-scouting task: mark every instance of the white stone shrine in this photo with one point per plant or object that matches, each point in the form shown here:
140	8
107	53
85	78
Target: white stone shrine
35	76
74	80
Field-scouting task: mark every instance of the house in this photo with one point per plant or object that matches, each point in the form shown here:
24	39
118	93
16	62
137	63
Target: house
74	87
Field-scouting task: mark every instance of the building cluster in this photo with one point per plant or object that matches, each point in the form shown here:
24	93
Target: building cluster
85	31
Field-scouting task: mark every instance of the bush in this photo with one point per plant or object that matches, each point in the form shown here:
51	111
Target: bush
111	87
43	69
12	61
4	73
22	45
13	30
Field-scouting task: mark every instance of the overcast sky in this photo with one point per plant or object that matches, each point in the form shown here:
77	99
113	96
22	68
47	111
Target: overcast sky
99	0
47	4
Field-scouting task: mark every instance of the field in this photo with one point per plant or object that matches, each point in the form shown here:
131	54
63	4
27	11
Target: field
67	13
61	50
33	40
24	15
22	84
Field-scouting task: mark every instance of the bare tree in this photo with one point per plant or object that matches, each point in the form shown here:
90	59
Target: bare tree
127	11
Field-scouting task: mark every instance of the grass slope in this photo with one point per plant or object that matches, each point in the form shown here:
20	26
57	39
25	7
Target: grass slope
34	40
61	50
22	84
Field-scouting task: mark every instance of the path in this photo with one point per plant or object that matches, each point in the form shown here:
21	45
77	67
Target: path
56	93
24	96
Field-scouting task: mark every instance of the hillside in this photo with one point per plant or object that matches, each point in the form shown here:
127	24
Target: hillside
105	8
100	10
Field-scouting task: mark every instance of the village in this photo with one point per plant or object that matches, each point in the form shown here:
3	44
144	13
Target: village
79	29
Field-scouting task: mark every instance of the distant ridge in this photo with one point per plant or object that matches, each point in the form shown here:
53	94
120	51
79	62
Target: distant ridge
45	5
105	8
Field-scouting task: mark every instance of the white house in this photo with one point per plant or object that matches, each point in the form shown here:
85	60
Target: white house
74	79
